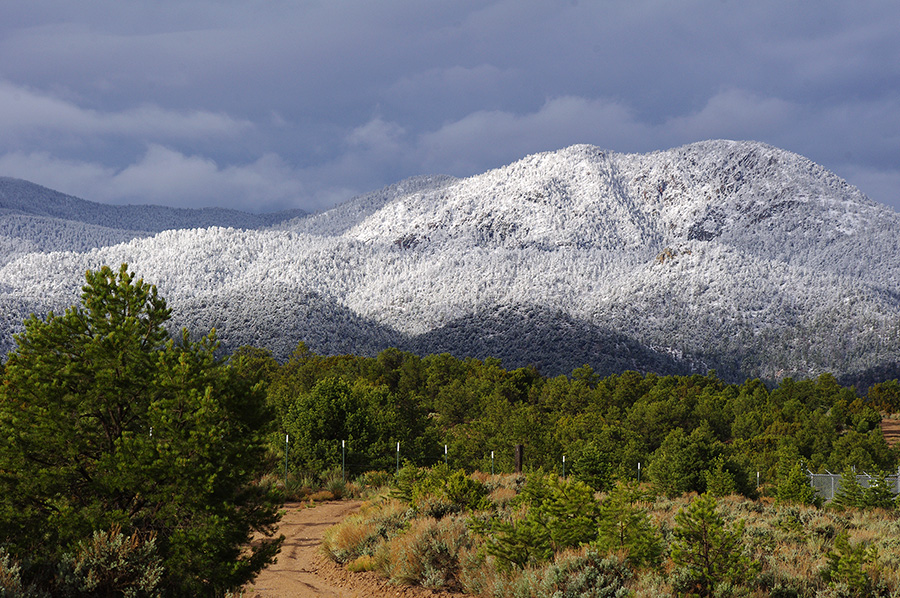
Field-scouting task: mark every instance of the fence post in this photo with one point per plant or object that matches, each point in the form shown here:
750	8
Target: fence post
398	456
564	466
343	461
285	460
492	462
520	457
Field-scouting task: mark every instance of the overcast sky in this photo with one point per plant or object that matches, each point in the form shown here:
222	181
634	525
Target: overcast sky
266	104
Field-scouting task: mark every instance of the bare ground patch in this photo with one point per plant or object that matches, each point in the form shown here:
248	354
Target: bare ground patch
301	569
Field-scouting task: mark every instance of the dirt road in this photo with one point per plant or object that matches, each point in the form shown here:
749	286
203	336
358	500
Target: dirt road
891	430
302	571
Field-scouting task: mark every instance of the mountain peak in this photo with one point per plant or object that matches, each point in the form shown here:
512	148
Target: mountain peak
733	255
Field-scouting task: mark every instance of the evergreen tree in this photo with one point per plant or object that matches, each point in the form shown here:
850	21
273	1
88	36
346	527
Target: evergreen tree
107	423
625	526
850	495
793	482
880	493
706	550
719	480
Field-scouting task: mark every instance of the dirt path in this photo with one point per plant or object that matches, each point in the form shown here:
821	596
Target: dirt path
891	430
301	570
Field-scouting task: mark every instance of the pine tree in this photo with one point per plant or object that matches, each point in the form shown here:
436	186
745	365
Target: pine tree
107	423
706	550
880	494
850	495
624	526
793	485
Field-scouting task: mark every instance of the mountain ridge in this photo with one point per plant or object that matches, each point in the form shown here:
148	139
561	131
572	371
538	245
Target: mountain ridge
731	255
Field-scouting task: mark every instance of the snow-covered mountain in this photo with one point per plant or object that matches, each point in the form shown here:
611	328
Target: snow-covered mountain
736	256
35	218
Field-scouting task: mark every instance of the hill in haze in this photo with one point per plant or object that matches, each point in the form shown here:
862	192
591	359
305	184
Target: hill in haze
736	256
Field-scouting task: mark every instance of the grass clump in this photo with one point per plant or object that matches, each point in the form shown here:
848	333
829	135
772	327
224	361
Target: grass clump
363	532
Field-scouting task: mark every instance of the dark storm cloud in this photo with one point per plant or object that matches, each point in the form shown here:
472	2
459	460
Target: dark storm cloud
281	104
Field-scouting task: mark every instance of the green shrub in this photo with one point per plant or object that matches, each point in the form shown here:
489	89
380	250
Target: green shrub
440	490
851	566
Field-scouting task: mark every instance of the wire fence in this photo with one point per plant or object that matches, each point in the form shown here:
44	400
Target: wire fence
353	463
827	485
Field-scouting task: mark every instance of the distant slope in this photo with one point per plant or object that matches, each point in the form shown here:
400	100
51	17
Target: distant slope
22	197
736	256
340	219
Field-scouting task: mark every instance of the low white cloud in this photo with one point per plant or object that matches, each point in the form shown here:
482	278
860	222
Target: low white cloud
733	114
25	111
379	137
382	151
497	137
166	177
82	179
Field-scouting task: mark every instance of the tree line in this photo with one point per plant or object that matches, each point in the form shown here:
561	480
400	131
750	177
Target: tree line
677	431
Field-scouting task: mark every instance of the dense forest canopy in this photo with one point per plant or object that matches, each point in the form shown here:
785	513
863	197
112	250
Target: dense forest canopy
677	427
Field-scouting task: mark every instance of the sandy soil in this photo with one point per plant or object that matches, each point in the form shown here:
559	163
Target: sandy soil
302	570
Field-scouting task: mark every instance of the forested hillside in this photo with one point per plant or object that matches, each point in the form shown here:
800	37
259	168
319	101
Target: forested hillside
680	428
34	218
733	256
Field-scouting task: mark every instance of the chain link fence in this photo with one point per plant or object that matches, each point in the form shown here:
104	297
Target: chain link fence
827	485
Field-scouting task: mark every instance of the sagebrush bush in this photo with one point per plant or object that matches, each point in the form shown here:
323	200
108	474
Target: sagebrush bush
113	564
580	573
427	554
584	574
11	579
747	547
